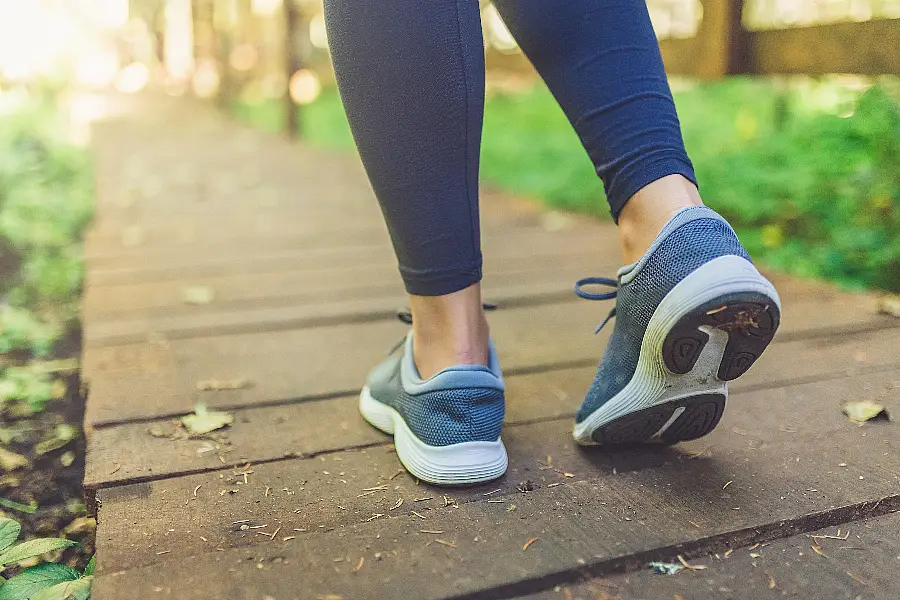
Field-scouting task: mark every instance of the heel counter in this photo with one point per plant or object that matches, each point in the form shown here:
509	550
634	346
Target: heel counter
445	417
486	415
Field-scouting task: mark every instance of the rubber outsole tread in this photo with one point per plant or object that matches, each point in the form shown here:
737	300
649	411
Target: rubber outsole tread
700	416
750	320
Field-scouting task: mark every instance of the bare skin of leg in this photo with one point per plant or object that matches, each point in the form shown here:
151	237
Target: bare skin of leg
449	330
452	329
645	213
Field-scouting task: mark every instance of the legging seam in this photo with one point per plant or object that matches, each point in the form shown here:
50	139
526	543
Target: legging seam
466	125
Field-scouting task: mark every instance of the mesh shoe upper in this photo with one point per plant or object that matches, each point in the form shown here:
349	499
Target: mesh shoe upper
692	238
464	403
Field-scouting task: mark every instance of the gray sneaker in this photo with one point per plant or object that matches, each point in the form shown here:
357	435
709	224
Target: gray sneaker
692	314
447	428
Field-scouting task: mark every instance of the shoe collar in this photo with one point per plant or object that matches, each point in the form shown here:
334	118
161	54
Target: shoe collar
626	274
456	377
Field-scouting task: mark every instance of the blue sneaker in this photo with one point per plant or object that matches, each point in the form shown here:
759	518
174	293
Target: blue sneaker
446	429
692	314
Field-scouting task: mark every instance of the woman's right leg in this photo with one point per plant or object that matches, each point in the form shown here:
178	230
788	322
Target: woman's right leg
411	77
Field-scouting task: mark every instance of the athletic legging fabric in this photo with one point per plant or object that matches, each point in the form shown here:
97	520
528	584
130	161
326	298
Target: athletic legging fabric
411	78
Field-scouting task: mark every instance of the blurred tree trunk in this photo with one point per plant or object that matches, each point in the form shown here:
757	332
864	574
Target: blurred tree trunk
152	13
292	65
204	36
224	14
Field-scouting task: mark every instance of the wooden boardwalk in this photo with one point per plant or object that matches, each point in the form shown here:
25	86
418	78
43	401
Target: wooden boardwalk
301	499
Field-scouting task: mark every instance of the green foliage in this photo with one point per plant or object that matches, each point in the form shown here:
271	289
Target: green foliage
46	581
45	204
79	589
33	580
30	386
9	532
32	548
806	170
29	508
822	196
21	330
529	148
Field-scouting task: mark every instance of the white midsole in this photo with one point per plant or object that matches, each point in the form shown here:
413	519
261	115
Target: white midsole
455	464
653	383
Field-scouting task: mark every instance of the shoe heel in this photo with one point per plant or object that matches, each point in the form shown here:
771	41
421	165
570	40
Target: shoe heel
749	320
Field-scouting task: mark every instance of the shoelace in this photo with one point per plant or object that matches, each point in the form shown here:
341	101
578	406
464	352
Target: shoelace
604	296
405	316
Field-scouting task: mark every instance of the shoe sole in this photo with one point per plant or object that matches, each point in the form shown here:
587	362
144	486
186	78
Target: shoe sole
708	330
465	463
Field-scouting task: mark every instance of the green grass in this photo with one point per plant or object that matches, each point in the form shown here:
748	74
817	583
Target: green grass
806	171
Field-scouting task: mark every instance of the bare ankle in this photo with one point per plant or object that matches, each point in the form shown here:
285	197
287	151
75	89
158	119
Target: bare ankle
449	330
647	212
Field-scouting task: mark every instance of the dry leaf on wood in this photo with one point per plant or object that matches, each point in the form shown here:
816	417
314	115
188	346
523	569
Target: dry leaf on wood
204	420
889	305
860	412
198	294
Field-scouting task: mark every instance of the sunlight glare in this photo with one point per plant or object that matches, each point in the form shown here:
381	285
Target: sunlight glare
305	87
133	78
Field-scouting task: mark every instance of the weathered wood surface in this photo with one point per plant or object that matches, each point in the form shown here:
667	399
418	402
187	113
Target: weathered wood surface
287	299
160	378
592	525
349	455
863	565
147	450
304	313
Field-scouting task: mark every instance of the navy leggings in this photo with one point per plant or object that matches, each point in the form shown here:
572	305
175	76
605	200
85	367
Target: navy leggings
411	77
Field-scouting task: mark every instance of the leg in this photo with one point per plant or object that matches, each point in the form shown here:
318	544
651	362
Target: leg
601	61
411	77
692	312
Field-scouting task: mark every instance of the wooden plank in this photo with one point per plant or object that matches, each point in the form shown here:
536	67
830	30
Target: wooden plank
671	504
249	258
258	205
141	451
295	288
355	269
256	236
861	566
359	303
301	283
160	377
271	231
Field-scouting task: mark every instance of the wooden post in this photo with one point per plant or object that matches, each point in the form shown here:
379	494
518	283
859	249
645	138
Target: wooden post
197	14
291	64
153	14
223	25
723	39
721	46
